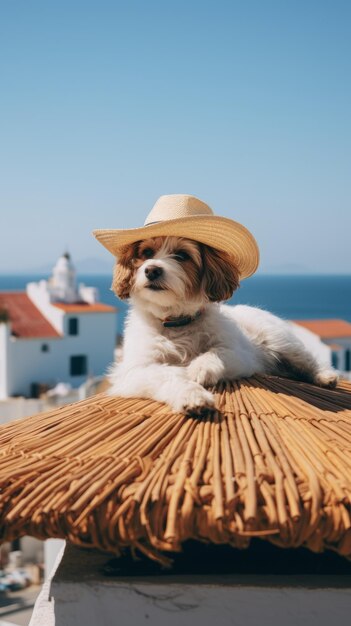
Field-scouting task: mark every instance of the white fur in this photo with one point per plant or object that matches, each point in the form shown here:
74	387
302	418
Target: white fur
174	365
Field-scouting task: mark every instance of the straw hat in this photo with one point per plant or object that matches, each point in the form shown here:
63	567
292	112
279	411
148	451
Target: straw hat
182	215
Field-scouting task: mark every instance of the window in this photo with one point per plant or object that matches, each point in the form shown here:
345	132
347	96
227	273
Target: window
78	365
73	326
45	347
347	360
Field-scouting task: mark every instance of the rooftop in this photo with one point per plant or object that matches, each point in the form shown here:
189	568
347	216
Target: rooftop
85	307
327	329
27	321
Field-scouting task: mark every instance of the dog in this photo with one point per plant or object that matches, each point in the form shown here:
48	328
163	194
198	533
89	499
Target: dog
181	339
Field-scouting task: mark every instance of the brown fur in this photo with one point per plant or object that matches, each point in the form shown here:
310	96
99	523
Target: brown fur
124	271
220	276
154	243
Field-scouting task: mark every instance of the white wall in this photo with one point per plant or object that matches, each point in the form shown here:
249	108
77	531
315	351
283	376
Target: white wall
39	295
16	408
28	364
4	356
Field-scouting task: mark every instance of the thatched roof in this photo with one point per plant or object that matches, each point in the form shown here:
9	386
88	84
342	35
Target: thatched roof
109	472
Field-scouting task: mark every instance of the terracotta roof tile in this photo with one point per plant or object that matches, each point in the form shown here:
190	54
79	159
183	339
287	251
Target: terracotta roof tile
85	307
27	321
327	329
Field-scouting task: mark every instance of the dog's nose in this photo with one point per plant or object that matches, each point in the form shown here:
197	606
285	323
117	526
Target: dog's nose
153	272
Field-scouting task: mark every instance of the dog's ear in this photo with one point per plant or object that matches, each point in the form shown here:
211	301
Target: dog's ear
123	272
220	276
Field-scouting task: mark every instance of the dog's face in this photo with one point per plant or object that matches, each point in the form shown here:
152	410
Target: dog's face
171	270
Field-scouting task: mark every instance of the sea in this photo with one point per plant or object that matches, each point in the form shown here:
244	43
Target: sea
291	297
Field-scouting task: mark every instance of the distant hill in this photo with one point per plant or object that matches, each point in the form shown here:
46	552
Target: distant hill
89	265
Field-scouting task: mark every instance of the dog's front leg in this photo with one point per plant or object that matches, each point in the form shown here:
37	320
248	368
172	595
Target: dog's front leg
218	364
164	383
207	368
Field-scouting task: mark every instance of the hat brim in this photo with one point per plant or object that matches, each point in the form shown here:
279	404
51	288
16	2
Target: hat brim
219	232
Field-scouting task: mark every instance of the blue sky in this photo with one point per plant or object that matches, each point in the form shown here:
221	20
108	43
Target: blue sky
106	105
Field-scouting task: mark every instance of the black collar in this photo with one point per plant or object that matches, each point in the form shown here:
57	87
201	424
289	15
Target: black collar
183	320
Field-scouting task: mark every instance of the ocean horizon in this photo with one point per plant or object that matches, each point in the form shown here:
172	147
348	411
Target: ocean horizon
298	297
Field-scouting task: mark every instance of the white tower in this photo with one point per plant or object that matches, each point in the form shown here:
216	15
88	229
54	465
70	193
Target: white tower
63	284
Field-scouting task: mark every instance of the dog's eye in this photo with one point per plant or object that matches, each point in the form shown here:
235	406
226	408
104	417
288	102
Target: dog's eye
181	255
148	253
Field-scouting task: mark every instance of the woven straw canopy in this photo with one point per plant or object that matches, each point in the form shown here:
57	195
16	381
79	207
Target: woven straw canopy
108	472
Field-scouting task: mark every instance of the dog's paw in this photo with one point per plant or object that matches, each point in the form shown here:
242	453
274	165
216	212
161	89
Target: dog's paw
206	369
195	401
326	378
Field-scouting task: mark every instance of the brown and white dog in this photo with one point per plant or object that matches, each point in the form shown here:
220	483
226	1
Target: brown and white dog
179	339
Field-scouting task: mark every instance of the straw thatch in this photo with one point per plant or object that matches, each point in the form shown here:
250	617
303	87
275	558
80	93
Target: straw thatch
108	472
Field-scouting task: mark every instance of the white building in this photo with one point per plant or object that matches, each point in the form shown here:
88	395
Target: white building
56	331
336	336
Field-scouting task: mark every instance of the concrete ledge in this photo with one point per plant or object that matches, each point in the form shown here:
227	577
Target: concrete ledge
44	614
82	593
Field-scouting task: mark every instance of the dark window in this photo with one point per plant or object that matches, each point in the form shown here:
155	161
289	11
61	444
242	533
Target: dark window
73	326
78	365
45	347
347	360
335	360
15	545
